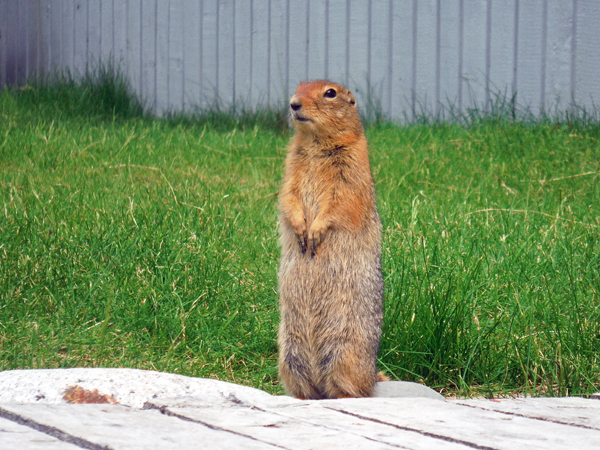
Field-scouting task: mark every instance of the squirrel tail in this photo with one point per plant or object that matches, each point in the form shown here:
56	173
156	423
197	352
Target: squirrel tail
382	377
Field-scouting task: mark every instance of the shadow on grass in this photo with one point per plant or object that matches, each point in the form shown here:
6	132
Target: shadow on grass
104	92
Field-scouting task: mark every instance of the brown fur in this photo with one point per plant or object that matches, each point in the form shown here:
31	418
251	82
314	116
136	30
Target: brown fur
330	282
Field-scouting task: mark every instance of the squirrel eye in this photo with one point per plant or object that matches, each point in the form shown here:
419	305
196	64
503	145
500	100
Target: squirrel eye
330	93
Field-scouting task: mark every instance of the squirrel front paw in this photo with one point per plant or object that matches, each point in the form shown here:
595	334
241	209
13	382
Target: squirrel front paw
315	236
299	227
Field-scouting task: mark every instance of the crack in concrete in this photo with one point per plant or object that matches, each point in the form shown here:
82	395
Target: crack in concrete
243	404
510	413
415	430
165	410
52	431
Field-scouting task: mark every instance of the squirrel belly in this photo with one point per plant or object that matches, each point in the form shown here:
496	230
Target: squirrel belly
330	281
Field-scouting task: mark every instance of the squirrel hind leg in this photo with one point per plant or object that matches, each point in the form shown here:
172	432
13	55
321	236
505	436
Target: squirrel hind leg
349	376
354	388
349	386
294	375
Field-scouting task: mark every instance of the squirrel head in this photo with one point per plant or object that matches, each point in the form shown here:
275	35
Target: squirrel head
325	109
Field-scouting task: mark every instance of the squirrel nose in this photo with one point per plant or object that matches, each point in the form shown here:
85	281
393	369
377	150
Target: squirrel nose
295	104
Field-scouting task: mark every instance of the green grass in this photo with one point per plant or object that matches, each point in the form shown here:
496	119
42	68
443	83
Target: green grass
132	242
491	256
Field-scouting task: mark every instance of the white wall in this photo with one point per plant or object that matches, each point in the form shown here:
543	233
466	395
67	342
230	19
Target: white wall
405	55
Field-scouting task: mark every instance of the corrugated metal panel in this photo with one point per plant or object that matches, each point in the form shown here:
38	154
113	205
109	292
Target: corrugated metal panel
401	57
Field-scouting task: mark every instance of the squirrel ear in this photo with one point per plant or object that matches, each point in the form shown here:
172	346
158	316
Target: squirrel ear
351	99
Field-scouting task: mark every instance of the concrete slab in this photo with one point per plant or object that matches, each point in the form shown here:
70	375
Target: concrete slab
141	409
134	387
130	387
405	389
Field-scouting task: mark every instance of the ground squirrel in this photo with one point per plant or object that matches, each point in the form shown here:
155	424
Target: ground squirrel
330	282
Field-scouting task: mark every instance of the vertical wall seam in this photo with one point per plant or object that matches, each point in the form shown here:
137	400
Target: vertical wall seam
233	55
155	101
126	52
414	58
38	36
3	42
574	53
369	44
390	54
74	40
60	41
326	39
217	95
100	34
24	27
15	30
461	26
438	56
347	68
44	37
5	58
183	46
16	57
27	42
35	39
287	49
114	50
488	54
168	56
2	45
48	10
141	87
201	65
269	55
87	37
251	70
16	65
307	38
544	55
51	25
515	53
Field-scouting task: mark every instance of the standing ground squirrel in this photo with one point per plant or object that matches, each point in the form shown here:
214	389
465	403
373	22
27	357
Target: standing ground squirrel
330	282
